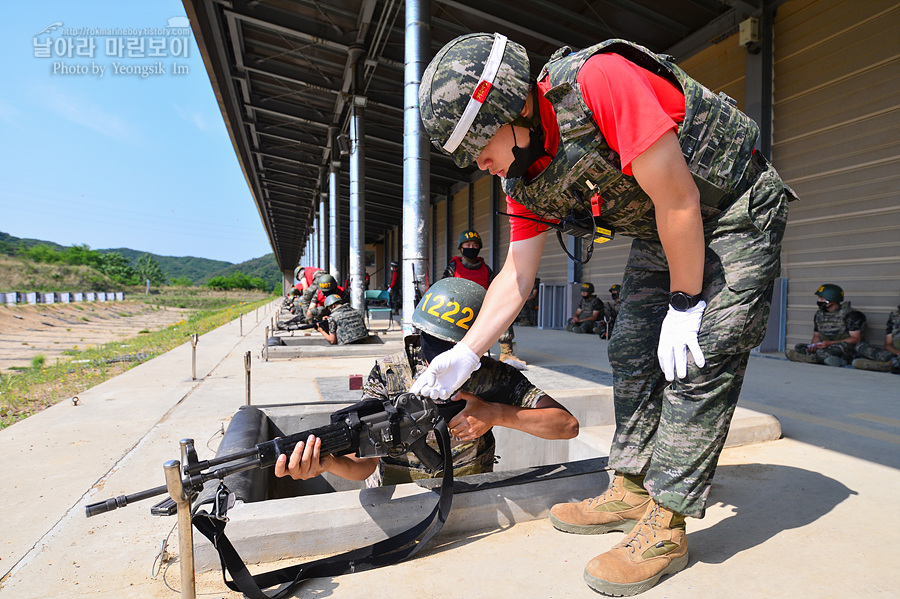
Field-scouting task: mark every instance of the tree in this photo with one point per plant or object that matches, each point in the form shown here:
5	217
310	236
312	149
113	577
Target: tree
43	253
81	254
116	266
148	269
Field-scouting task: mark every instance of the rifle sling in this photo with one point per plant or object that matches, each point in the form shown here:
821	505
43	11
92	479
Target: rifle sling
383	553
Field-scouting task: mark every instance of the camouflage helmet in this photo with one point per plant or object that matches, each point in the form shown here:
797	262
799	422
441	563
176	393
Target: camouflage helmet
831	292
473	86
327	285
469	235
588	287
332	300
449	308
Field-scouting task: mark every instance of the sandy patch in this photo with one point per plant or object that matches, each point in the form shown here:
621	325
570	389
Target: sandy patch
49	330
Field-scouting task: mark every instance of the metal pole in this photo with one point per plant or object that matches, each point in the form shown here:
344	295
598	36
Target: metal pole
357	184
416	159
182	501
194	339
334	214
247	371
266	346
324	237
241	318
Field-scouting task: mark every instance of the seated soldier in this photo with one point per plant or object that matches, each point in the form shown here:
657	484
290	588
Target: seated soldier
589	311
611	310
837	329
342	325
887	357
496	395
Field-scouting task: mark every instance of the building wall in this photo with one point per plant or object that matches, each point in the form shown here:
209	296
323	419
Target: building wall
837	144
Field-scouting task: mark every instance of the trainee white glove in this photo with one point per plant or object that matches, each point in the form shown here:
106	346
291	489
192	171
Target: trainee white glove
679	334
446	373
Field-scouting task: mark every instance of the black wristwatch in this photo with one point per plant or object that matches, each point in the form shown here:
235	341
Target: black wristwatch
682	301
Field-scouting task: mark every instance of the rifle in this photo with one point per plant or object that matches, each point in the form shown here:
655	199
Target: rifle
370	428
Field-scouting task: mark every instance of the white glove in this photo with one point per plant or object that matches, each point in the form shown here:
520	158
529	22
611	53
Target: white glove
679	334
446	373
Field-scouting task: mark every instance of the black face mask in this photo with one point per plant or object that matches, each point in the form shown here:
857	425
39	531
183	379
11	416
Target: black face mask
432	346
823	306
470	253
525	157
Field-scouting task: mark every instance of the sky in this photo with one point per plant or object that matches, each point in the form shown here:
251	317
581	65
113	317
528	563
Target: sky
92	152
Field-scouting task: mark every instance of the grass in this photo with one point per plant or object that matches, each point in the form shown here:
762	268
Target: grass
32	389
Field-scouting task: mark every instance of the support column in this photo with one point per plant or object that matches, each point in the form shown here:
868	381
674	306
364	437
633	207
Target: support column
416	160
357	187
334	196
323	228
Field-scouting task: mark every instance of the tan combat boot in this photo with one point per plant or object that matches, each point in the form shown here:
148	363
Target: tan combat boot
508	356
654	548
618	509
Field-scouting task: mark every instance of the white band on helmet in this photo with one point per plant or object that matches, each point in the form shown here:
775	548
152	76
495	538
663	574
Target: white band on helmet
479	95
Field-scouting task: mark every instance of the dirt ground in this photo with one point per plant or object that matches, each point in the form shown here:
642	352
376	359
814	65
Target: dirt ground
49	330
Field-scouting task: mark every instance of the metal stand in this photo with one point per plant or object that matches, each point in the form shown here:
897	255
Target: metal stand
182	500
194	339
266	346
247	370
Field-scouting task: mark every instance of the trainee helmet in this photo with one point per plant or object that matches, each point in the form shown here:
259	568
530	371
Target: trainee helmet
589	287
327	285
332	300
831	292
295	291
473	86
615	289
469	235
298	272
449	308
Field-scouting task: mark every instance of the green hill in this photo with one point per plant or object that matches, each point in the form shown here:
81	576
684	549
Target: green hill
197	270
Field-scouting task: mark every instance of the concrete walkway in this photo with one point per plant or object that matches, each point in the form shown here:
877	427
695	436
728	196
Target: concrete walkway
801	516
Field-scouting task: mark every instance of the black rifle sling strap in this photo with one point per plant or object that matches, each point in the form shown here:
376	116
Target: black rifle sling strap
383	553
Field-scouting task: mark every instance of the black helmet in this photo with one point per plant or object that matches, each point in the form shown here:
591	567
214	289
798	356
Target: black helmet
295	291
332	300
615	289
469	235
831	292
589	287
298	272
449	308
327	285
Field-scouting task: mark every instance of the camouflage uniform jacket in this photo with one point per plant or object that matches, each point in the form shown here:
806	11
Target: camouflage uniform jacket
715	137
589	304
832	326
893	327
494	381
347	324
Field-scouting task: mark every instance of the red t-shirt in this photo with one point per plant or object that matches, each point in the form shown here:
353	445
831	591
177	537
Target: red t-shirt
632	107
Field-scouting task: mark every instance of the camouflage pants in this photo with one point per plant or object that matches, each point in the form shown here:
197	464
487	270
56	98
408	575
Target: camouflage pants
674	432
875	353
581	327
842	350
506	340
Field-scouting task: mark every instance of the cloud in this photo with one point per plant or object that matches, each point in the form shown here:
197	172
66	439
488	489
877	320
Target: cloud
82	111
194	117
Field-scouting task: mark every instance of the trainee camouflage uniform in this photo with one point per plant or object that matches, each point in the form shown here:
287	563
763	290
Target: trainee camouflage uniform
494	381
832	326
879	354
588	305
605	325
672	432
348	324
528	313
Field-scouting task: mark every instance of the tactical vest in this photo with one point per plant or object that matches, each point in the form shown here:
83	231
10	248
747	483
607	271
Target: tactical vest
832	325
716	139
895	330
480	275
349	325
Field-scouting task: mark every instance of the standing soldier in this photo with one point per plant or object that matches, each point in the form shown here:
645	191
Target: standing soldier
617	137
468	265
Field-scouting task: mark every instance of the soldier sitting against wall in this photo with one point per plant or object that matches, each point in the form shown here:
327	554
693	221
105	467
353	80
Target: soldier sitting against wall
496	394
837	330
611	310
528	314
887	357
342	324
590	310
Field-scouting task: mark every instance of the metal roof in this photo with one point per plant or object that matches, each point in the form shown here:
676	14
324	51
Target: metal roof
281	73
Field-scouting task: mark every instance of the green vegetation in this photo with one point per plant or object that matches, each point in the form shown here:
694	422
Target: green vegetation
30	390
237	280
